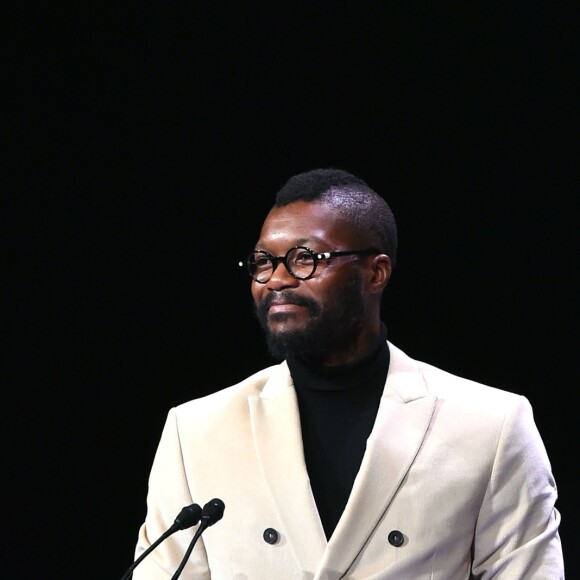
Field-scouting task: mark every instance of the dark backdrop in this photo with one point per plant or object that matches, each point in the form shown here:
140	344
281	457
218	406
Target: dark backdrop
142	148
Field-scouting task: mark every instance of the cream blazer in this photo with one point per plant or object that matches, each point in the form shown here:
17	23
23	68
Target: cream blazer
456	468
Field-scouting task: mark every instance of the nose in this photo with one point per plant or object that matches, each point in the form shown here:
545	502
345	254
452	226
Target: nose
281	278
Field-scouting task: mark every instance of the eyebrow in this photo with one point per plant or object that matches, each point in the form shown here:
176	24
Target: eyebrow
299	242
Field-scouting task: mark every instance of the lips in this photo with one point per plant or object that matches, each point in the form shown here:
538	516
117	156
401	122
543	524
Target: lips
283	302
281	306
276	307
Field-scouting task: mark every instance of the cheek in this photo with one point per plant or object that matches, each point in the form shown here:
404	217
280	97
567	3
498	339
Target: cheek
257	292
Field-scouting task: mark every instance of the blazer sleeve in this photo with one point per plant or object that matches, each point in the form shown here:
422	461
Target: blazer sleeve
168	493
517	530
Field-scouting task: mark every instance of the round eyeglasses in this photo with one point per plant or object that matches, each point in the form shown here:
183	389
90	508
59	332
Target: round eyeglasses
300	261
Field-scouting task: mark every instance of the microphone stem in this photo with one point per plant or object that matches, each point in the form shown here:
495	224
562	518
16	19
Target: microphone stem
152	547
202	526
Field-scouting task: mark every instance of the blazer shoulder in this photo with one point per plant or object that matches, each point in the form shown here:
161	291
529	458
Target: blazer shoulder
445	384
269	379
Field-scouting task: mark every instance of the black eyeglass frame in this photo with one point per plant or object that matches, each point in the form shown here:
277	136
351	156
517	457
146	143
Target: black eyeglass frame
316	257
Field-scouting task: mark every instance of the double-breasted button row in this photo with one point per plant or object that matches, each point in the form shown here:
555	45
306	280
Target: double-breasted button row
395	537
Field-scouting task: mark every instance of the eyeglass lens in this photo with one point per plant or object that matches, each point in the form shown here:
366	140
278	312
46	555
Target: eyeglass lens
300	262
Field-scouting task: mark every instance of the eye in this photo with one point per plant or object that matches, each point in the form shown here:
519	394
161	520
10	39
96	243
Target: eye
303	258
261	262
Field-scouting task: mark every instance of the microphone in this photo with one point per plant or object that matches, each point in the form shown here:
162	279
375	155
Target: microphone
189	516
212	512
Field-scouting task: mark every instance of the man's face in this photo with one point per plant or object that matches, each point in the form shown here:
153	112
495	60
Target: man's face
319	318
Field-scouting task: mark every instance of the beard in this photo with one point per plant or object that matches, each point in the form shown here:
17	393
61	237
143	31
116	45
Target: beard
331	329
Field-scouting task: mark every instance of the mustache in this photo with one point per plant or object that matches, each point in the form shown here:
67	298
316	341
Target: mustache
288	297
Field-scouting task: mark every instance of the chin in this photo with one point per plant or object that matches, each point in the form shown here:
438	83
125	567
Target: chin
281	329
285	321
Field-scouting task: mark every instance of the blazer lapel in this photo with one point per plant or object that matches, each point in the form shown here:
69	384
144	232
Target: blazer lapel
278	441
402	421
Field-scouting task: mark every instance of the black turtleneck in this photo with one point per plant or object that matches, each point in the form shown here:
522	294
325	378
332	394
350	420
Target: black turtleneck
338	407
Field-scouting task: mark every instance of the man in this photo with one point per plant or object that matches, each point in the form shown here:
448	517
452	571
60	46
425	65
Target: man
348	459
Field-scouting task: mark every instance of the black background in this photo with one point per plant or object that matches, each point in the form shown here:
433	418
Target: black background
142	148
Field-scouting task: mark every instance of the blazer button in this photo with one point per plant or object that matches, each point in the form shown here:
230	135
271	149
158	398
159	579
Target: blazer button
271	536
396	538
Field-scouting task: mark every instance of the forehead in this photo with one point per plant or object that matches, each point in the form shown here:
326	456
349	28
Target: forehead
303	222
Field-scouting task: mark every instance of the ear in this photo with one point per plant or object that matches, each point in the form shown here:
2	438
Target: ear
381	273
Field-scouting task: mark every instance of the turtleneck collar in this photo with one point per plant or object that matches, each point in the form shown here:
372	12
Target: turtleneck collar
357	374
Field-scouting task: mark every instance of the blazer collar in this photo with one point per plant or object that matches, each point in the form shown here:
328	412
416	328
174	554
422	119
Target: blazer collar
405	413
278	442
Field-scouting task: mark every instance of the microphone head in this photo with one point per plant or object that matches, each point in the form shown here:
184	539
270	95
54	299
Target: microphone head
188	516
213	511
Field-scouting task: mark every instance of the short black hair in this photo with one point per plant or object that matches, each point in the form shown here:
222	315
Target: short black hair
352	197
